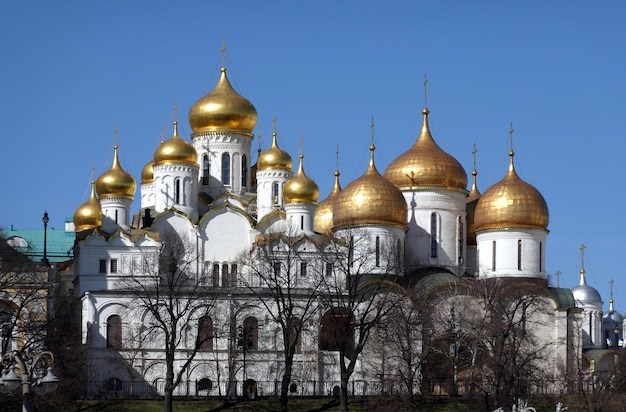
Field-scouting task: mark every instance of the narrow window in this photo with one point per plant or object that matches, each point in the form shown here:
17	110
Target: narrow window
244	171
103	266
204	340
493	255
540	257
276	269
433	235
301	222
519	254
591	328
275	193
113	265
226	169
295	333
460	240
177	191
114	332
205	170
233	274
302	268
351	251
377	251
116	213
225	280
250	332
329	269
216	274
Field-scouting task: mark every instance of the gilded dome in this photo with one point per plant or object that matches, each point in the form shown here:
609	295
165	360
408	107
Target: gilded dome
470	208
175	150
426	164
301	188
253	170
147	173
511	203
89	214
115	182
370	199
274	158
223	108
323	217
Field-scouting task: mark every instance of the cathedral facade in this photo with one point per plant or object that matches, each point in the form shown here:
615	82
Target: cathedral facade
416	224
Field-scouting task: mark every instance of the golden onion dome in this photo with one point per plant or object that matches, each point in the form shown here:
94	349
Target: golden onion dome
115	181
147	173
175	150
426	164
511	203
274	158
301	188
370	199
323	216
223	108
470	208
89	214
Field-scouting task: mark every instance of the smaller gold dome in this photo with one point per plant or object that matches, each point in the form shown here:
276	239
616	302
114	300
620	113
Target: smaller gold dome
470	208
147	173
89	214
323	217
223	108
116	182
175	150
426	164
301	188
370	199
274	158
511	203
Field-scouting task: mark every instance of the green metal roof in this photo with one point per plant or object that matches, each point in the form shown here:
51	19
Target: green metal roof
564	297
59	242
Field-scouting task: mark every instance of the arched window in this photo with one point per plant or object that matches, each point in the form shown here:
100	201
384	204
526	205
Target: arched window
337	330
540	257
275	193
177	191
433	235
250	334
493	255
204	384
225	280
244	171
113	384
459	240
226	168
204	341
377	251
216	274
519	254
205	170
114	332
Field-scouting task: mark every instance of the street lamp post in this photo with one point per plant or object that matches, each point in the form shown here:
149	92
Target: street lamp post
32	377
45	220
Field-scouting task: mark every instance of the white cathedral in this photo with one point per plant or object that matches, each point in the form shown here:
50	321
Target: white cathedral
208	193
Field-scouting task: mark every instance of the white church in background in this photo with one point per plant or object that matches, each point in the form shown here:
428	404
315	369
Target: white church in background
208	192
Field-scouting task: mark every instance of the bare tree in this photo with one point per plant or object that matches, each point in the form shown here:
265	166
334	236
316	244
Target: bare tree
169	294
358	297
286	274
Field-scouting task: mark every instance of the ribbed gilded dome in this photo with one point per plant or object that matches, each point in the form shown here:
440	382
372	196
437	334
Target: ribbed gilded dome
115	182
370	199
274	158
323	217
89	214
426	164
223	108
511	203
147	173
301	188
175	150
470	208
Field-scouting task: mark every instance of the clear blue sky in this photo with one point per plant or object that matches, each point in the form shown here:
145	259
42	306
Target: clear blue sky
73	70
